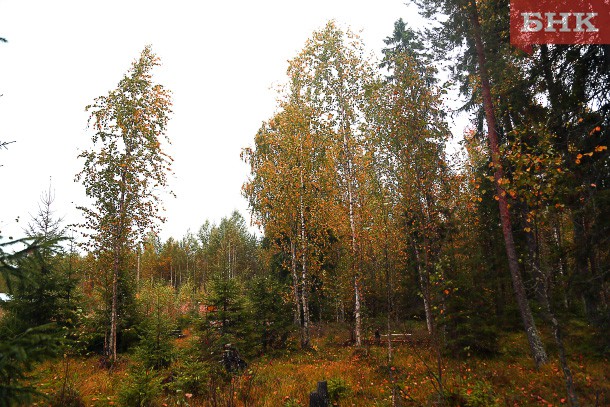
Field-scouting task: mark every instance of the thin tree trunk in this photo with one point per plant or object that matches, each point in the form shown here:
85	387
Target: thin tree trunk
424	283
561	261
337	310
355	259
542	290
357	314
158	322
424	272
388	293
115	274
535	343
113	308
305	334
295	285
583	266
305	337
138	271
558	336
115	288
227	268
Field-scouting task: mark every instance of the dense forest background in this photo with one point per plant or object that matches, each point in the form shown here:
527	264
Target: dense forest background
373	236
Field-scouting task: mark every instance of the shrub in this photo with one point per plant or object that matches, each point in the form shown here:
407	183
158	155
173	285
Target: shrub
142	388
69	397
191	378
273	321
480	394
469	325
155	351
290	402
156	348
337	389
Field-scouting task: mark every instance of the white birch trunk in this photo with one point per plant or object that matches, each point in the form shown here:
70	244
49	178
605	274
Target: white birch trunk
295	285
305	337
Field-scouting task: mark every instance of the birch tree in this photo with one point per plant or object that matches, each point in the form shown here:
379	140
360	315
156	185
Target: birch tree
288	194
333	73
407	147
125	171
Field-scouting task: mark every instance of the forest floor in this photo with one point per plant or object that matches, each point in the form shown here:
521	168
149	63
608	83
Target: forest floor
362	377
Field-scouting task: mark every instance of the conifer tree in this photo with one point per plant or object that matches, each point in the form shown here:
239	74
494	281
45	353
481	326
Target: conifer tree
464	24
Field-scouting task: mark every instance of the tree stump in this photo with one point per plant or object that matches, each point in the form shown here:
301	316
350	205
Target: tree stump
319	398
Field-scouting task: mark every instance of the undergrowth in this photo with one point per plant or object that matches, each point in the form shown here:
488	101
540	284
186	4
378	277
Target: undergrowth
355	378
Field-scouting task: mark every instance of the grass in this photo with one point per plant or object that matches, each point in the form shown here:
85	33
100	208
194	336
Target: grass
365	377
96	385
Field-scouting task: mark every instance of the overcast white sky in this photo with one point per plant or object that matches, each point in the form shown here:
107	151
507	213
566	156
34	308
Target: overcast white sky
220	60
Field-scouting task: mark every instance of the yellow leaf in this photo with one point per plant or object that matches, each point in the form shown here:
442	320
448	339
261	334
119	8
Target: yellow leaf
527	229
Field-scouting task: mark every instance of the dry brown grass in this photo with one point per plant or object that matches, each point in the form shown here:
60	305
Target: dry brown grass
509	380
97	386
